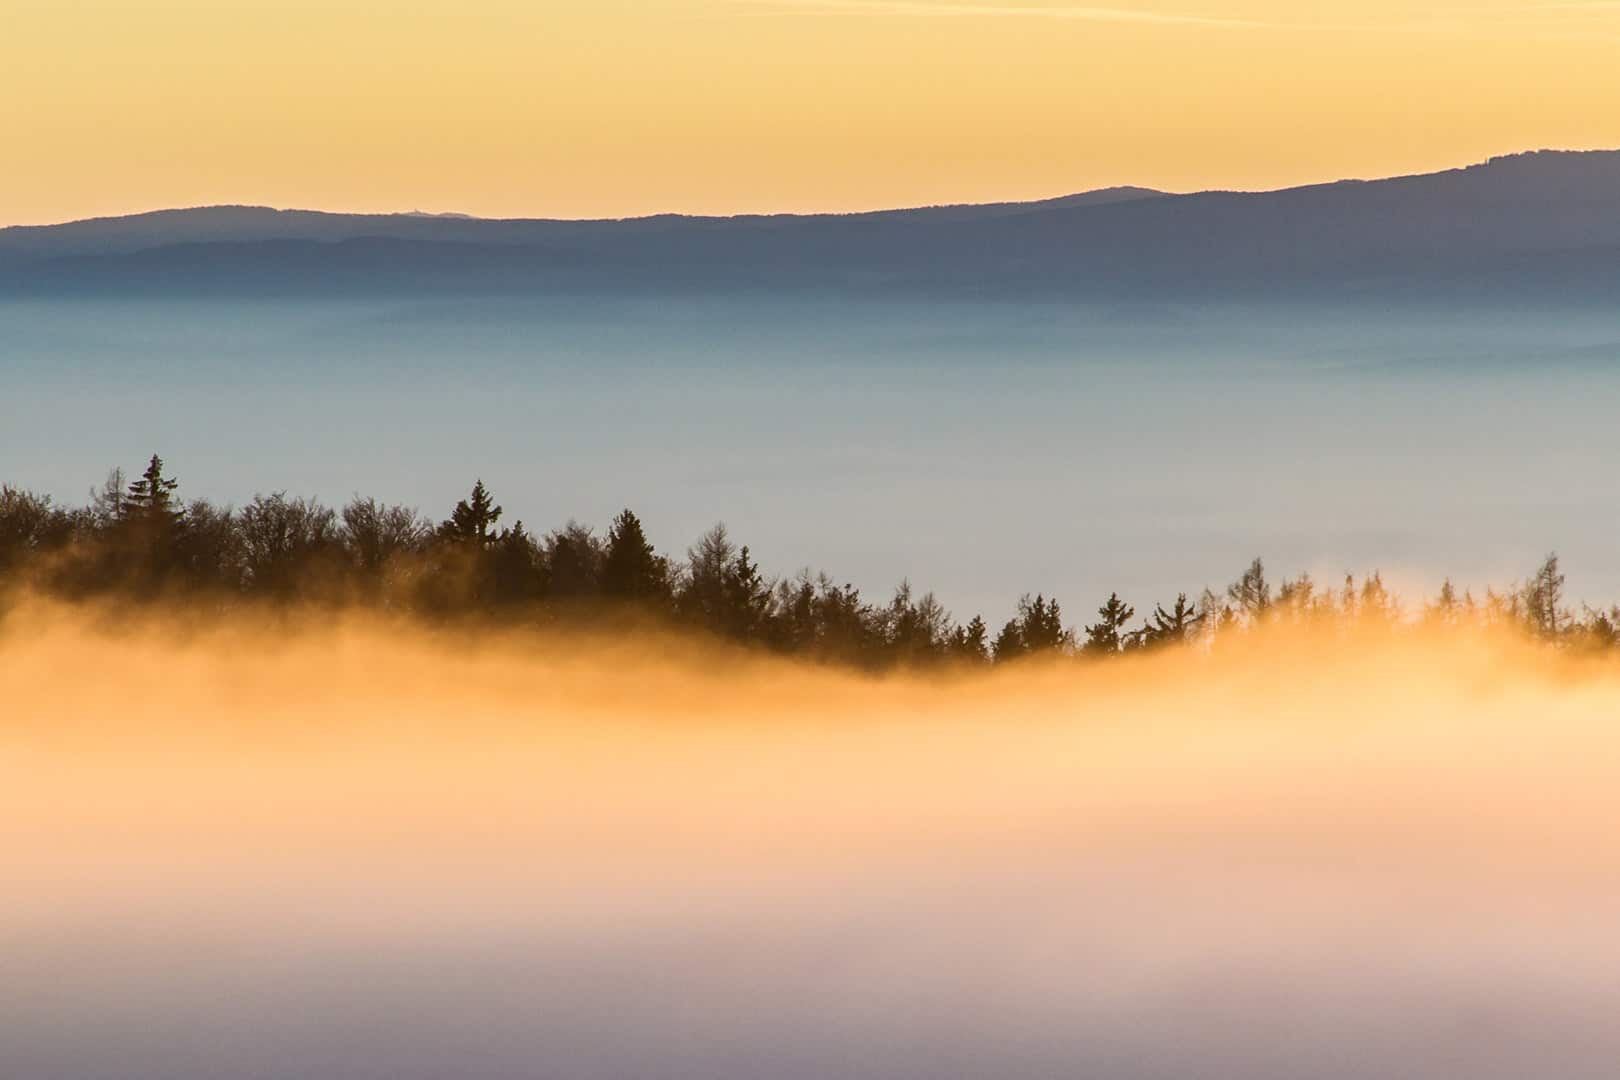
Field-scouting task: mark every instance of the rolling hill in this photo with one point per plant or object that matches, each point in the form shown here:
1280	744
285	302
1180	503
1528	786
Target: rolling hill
1537	226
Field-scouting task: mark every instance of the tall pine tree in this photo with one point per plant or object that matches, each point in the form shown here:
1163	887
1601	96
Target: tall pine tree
1108	636
473	520
151	499
1173	627
631	571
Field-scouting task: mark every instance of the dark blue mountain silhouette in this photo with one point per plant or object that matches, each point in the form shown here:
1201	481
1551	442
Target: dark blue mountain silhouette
1532	226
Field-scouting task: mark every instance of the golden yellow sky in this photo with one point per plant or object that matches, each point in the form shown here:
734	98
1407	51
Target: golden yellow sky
613	107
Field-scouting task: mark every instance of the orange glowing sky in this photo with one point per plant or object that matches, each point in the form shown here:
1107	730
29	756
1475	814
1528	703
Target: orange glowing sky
616	107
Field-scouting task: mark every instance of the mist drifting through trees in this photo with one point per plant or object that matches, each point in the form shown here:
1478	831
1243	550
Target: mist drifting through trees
141	540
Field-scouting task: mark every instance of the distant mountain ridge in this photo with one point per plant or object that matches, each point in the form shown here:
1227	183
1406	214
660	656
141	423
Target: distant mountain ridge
240	223
1545	223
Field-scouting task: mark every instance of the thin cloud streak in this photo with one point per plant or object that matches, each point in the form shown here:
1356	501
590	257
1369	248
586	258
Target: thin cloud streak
1554	14
933	9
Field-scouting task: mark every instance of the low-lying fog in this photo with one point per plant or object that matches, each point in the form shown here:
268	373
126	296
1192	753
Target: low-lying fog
301	849
980	449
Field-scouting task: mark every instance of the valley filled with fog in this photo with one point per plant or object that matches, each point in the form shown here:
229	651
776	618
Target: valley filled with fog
982	448
294	847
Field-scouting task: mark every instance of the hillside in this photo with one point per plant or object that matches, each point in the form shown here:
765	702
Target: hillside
1537	226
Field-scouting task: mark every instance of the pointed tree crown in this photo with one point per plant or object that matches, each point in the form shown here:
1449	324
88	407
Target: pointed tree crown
473	519
152	498
1108	635
631	570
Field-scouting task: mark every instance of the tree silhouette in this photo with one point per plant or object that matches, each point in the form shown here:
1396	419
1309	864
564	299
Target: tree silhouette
149	515
515	570
845	627
915	629
1009	643
1542	600
1447	607
1297	599
1376	602
208	552
28	524
139	538
723	588
107	504
1108	636
1038	628
970	643
1173	627
473	520
1600	630
281	540
1251	593
151	500
374	534
746	597
573	561
632	572
793	625
1041	625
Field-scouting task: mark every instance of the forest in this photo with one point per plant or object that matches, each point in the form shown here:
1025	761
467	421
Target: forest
141	541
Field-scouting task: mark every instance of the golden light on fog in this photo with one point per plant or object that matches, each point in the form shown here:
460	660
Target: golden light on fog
1348	840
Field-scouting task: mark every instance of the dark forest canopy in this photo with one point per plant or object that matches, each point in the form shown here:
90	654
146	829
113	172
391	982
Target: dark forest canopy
141	540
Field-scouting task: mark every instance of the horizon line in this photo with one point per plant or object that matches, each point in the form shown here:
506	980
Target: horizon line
1149	193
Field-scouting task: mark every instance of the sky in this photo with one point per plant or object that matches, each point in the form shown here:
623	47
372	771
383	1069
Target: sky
625	107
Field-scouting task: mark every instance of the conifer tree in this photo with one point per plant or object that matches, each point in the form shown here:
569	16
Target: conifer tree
1108	637
844	623
971	642
149	521
573	558
703	585
151	499
1009	644
1541	600
1251	592
515	577
746	597
473	520
1173	627
1041	625
794	626
631	571
1601	629
1446	607
1377	605
1297	599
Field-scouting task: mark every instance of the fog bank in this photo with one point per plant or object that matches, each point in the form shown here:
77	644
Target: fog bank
294	849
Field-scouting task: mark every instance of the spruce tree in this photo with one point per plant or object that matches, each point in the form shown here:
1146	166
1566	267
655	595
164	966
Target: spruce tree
745	596
1171	627
473	520
151	499
514	569
1041	625
632	572
1108	637
971	642
1251	592
149	526
845	627
1446	605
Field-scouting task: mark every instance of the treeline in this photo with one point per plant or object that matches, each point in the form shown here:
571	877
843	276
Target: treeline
142	541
